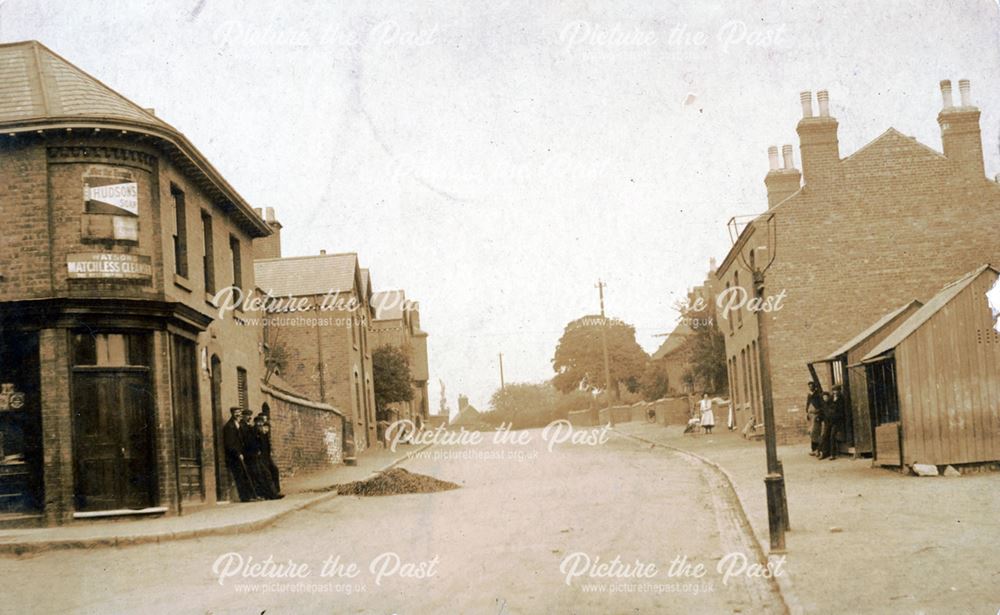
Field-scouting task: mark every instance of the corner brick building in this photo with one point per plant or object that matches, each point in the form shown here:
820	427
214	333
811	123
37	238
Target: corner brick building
397	323
328	351
118	234
852	238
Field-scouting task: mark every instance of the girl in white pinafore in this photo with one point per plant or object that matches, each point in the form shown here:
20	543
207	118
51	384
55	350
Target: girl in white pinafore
707	416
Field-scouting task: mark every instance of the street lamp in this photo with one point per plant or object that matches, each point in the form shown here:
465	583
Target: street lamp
774	482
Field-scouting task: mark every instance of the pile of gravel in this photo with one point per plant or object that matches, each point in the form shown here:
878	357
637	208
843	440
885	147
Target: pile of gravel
395	482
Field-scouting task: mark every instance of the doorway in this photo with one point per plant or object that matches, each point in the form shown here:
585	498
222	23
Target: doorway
222	484
187	420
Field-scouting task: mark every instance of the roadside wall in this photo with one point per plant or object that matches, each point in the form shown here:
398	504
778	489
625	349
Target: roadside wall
305	436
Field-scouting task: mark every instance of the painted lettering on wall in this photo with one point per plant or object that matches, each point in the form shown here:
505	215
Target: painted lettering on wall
109	265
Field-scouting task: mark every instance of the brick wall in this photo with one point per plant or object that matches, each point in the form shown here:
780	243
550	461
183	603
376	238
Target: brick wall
325	362
24	251
305	436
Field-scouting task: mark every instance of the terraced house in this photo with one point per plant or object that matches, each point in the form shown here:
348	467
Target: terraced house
115	365
328	351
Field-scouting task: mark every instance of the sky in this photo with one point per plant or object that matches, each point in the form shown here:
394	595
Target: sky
496	159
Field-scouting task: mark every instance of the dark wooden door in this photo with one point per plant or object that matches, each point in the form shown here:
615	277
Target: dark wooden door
187	420
222	483
113	440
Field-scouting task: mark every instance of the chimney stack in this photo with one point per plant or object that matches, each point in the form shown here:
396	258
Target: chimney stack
781	182
960	135
268	247
820	149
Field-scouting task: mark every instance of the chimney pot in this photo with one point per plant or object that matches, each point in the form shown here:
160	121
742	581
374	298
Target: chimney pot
260	212
772	157
786	153
964	94
270	214
807	105
946	94
823	97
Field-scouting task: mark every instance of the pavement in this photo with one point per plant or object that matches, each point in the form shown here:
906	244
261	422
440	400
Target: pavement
231	518
863	539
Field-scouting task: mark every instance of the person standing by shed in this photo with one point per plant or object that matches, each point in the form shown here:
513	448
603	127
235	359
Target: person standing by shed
814	411
833	417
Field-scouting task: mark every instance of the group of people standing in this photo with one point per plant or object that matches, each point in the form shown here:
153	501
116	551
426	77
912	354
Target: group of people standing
248	455
827	411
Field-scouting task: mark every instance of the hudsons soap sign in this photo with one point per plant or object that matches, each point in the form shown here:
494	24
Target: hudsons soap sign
119	199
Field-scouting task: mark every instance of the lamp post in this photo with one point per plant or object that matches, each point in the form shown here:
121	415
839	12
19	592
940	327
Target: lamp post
774	481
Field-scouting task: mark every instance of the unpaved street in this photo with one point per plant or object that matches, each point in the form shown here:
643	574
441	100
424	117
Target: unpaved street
503	543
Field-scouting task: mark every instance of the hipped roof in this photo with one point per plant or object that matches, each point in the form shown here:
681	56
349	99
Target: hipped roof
41	90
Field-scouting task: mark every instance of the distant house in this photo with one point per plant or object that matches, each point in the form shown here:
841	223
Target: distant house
467	415
671	354
672	351
934	382
329	355
397	323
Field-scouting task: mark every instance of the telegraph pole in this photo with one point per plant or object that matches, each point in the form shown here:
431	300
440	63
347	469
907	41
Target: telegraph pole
501	372
604	349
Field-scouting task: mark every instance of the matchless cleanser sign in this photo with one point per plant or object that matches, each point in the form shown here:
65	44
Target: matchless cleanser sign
109	265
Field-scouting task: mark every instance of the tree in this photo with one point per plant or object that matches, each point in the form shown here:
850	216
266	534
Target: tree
654	383
523	405
705	349
275	351
391	374
579	359
526	405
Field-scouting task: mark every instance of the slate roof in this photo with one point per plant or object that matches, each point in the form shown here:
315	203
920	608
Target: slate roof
302	276
42	91
40	84
924	314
